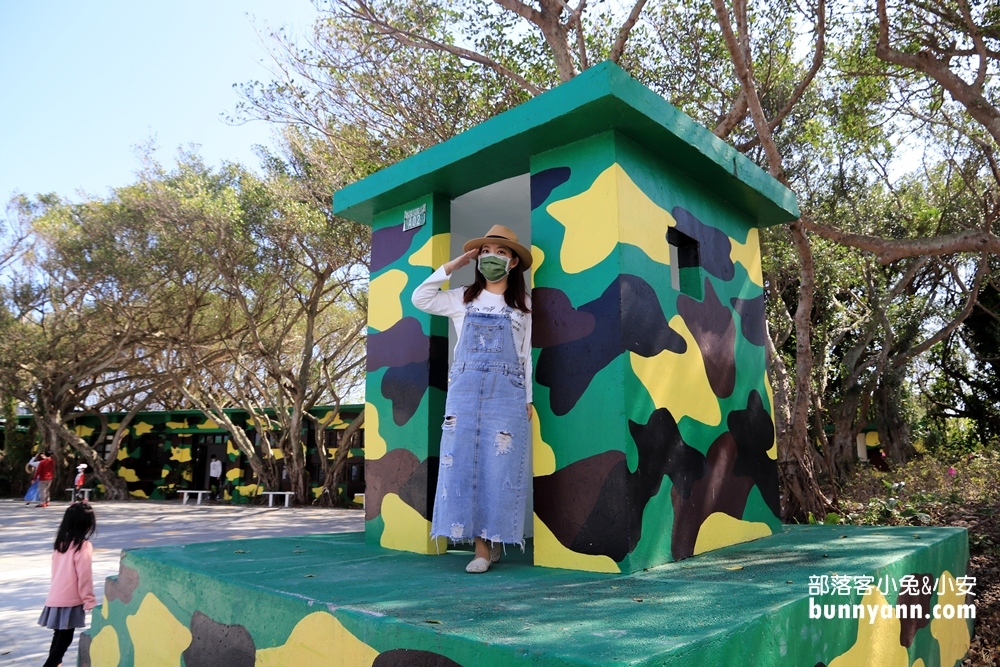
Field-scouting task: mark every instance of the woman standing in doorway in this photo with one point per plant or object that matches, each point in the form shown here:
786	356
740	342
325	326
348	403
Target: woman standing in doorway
484	463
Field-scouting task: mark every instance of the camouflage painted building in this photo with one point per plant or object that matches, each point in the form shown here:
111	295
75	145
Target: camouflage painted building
167	451
653	438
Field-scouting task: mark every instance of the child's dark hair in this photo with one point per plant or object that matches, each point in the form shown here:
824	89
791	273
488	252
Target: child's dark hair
514	296
78	525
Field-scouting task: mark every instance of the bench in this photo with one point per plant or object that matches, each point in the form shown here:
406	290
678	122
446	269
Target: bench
188	492
271	494
86	493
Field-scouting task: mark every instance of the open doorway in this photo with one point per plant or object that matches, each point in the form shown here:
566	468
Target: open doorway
203	447
507	203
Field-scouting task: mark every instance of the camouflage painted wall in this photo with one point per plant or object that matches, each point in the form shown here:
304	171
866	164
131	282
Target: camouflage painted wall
156	457
406	379
654	439
324	600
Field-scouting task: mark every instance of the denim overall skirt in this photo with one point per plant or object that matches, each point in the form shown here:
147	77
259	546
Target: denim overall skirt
484	473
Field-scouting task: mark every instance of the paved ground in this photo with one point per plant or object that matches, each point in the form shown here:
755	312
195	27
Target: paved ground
27	532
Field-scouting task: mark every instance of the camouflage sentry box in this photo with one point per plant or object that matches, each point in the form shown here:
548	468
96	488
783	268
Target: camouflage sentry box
653	431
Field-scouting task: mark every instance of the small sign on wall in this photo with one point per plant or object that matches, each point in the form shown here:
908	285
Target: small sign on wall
415	217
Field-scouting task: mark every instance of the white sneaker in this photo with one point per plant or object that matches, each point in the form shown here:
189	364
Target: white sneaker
478	565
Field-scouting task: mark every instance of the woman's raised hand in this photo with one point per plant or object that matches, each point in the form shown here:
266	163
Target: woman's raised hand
461	261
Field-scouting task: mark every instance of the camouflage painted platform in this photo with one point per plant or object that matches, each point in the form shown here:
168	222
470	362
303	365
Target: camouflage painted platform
332	600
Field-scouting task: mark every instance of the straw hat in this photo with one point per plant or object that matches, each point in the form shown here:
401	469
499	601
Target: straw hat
503	236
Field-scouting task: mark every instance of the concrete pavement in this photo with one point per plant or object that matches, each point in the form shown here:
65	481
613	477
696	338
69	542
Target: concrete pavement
27	532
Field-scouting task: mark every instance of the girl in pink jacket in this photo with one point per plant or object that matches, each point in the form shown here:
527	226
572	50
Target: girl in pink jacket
71	594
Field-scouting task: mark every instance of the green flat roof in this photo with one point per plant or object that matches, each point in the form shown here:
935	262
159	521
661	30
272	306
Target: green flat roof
169	414
602	98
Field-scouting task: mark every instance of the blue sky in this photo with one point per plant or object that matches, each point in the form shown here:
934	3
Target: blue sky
82	84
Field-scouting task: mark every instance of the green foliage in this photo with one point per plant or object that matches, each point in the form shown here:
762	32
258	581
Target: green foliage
831	518
190	288
922	491
961	383
951	440
374	102
223	261
15	453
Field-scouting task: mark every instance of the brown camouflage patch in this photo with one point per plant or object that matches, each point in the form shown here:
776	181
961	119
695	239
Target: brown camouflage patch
218	645
908	627
123	586
712	326
407	657
386	475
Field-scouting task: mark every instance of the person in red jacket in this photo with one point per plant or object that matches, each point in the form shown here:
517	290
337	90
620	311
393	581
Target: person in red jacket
71	594
45	471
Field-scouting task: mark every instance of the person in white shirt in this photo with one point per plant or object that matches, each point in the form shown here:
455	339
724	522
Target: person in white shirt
214	478
484	467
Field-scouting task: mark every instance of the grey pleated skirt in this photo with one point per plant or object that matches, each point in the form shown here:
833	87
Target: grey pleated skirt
63	618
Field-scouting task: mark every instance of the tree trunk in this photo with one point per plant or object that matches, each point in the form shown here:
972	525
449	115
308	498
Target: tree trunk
292	447
893	428
803	495
800	493
797	463
780	389
329	496
844	442
555	33
265	471
48	421
115	487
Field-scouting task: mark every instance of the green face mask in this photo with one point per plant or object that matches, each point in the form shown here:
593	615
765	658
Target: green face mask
494	267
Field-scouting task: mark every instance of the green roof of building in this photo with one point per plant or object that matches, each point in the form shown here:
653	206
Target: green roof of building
600	99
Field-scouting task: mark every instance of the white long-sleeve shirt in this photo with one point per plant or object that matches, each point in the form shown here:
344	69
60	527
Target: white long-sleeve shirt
429	298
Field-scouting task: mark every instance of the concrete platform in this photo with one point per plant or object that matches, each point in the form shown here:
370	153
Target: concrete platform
332	600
